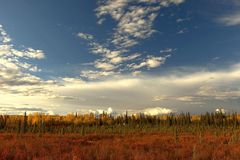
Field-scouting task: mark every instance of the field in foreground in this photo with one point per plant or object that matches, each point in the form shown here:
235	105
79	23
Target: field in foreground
150	146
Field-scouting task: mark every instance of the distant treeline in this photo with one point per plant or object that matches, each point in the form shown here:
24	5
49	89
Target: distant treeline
104	123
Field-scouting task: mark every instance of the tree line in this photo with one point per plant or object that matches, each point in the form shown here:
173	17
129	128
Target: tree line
89	123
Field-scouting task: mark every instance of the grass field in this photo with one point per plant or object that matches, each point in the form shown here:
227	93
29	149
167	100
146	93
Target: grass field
214	136
149	146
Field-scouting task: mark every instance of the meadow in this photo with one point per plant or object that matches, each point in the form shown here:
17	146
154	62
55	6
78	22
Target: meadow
136	137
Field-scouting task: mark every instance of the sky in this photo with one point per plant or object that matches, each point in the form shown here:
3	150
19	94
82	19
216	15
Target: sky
150	56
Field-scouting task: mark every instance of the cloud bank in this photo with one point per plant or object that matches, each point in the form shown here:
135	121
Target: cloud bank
191	90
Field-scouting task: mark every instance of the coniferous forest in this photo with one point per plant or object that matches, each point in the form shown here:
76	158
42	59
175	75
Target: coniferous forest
38	123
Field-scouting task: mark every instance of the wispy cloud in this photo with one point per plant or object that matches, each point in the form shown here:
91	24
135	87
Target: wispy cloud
104	65
121	59
168	50
4	36
134	22
181	98
134	18
20	110
150	62
18	81
232	17
230	20
89	74
180	20
85	36
182	31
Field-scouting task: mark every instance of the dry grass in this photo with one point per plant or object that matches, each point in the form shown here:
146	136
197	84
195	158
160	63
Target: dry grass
161	146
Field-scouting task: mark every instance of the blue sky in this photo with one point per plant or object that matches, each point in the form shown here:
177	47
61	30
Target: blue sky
134	55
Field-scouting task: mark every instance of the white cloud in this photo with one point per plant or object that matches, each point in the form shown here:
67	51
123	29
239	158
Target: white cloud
16	73
220	110
113	7
134	18
76	81
150	62
160	98
181	98
109	111
136	73
230	20
104	66
99	49
168	50
185	98
5	109
134	22
34	54
120	59
4	37
218	92
175	89
177	1
113	54
157	111
96	74
110	58
85	36
19	85
180	20
182	31
203	88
